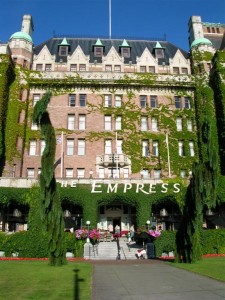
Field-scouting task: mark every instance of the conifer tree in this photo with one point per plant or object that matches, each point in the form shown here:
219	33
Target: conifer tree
52	211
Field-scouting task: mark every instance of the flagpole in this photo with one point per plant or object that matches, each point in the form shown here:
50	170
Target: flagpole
62	155
110	21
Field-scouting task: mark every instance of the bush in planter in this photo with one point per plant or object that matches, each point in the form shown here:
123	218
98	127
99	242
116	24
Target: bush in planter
166	242
26	244
2	238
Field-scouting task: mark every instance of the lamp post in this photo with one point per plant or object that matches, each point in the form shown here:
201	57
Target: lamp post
88	225
148	223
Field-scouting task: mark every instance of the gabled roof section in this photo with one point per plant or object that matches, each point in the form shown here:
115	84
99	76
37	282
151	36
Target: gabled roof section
158	46
86	44
98	43
64	43
125	44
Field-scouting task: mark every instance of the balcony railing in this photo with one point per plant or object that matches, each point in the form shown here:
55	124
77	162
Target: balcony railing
112	160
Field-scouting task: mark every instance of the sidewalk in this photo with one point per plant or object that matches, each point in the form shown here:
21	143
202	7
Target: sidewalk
151	280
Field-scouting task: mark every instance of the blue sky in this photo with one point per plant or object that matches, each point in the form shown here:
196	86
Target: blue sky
130	18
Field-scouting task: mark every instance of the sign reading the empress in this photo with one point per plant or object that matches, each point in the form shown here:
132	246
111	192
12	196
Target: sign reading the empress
139	187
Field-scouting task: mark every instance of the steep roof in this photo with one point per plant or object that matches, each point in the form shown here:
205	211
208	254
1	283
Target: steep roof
137	48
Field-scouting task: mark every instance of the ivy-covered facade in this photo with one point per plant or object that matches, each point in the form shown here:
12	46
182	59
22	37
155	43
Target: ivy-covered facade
130	120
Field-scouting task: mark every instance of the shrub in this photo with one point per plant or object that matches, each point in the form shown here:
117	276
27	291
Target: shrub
166	242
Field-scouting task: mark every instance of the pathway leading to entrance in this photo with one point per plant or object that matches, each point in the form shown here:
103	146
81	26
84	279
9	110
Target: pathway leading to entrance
151	280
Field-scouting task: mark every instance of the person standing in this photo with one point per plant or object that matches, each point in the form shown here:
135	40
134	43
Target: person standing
132	232
117	229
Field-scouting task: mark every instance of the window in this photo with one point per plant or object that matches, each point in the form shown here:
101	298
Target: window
182	173
69	172
82	68
34	126
15	60
145	174
82	100
179	124
217	30
33	147
101	172
208	29
191	149
81	147
108	101
176	70
181	148
113	173
108	68
189	125
119	149
36	98
184	70
213	30
143	69
71	122
63	50
154	124
144	123
80	173
159	53
39	67
73	67
145	148
151	69
155	148
48	67
118	123
108	123
178	102
125	52
153	100
187	102
117	68
30	173
143	101
125	173
98	51
156	174
42	147
72	100
108	146
70	147
82	122
118	100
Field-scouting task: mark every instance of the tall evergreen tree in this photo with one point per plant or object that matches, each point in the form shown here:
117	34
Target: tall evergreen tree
52	211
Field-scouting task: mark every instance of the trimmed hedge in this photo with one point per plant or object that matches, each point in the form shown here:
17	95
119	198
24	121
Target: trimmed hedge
212	242
30	245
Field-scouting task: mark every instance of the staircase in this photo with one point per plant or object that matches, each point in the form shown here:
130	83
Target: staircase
108	250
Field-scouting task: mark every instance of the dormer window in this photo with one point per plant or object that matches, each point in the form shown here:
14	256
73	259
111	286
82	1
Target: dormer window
98	48
159	51
125	52
125	49
64	48
98	51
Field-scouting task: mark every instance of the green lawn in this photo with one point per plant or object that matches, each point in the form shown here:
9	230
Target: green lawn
22	280
211	266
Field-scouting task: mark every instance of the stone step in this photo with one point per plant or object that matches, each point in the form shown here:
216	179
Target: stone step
108	250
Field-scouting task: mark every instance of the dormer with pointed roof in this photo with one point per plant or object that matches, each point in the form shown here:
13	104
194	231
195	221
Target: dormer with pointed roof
64	47
98	48
125	49
159	51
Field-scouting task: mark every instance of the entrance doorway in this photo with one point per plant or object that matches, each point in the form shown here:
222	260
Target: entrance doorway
116	221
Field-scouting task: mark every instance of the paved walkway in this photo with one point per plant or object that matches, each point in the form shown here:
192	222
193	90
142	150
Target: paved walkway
151	280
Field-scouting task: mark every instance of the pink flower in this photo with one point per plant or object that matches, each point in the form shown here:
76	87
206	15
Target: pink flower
154	233
81	234
94	234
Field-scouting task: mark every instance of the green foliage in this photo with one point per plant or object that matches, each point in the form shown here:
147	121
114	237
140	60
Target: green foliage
51	212
165	243
213	241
